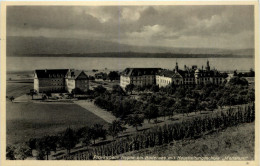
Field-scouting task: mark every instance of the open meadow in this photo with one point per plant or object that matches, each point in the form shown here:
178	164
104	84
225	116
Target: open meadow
28	120
17	89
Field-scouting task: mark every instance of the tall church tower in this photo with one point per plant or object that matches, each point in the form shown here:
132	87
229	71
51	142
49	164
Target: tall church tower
176	67
208	67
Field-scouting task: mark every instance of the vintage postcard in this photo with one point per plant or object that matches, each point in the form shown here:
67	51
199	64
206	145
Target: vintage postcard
129	83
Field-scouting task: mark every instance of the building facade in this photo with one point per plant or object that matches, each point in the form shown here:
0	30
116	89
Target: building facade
76	79
138	76
189	76
59	80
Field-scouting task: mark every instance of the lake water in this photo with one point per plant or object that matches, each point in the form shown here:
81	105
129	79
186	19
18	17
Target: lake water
89	63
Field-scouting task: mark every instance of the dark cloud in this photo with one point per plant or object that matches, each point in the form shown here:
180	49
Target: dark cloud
132	23
52	17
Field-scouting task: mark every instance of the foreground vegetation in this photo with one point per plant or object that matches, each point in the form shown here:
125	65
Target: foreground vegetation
190	129
156	136
234	143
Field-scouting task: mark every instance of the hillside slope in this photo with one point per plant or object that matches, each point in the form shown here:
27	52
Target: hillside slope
18	46
234	143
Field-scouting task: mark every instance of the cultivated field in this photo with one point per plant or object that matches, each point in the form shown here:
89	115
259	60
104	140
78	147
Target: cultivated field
230	143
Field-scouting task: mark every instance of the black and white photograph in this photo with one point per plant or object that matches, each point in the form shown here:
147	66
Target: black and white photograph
130	82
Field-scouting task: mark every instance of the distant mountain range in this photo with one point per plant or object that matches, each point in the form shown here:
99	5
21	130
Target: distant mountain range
69	47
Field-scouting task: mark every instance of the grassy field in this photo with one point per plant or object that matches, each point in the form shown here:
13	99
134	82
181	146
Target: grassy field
225	145
17	89
27	120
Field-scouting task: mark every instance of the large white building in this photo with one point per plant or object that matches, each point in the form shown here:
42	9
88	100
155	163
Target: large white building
189	76
138	76
162	78
60	80
168	77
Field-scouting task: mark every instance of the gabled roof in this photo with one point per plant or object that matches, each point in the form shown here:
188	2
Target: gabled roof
177	75
140	71
51	73
166	73
74	74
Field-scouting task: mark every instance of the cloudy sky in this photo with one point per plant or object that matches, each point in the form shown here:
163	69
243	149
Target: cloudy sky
170	26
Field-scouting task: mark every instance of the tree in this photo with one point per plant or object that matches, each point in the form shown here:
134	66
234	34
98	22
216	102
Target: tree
48	94
32	143
135	121
195	105
115	128
69	140
212	105
44	97
251	96
32	93
76	91
84	134
22	151
116	89
235	73
113	75
97	131
180	92
201	106
151	112
130	88
251	73
10	152
47	144
155	88
44	146
177	106
238	81
100	89
12	98
164	111
190	108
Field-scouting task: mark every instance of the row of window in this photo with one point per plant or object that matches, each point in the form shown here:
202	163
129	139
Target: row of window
51	88
56	76
51	84
83	81
165	81
58	84
145	82
208	79
57	80
188	79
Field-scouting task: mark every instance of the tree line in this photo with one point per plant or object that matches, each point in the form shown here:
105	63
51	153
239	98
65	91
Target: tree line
65	140
171	100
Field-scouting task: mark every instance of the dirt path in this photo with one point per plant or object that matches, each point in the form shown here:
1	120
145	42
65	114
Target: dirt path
90	106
